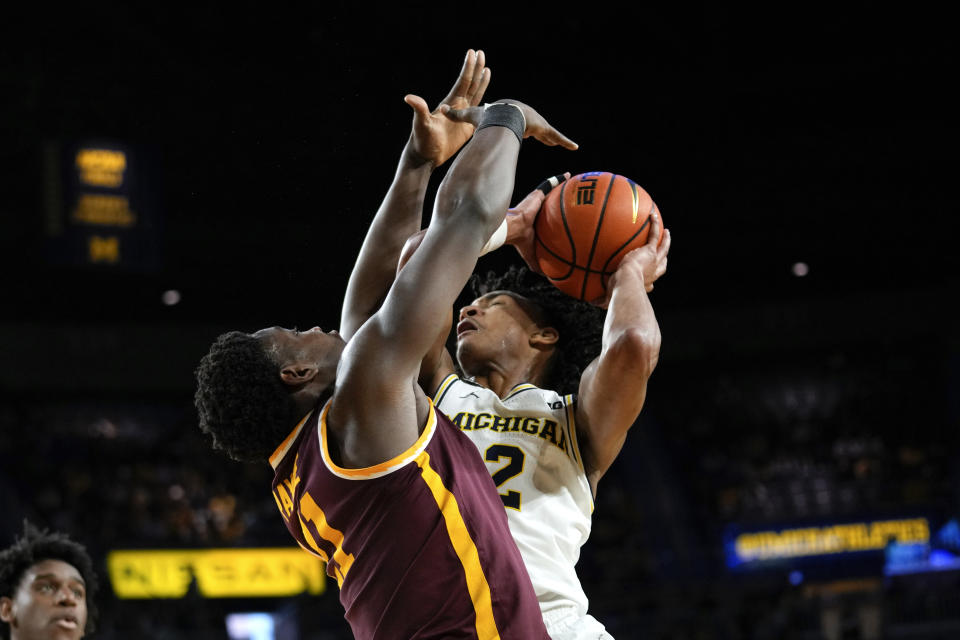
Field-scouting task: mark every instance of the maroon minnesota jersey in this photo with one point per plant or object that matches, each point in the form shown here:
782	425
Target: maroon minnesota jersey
419	544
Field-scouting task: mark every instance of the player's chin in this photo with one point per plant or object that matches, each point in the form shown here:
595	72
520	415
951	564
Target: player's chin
466	352
466	335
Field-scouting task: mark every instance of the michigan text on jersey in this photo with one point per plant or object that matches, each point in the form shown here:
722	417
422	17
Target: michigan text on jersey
537	427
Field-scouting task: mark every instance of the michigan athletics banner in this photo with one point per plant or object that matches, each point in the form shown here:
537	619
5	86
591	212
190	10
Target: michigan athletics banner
219	573
795	545
101	206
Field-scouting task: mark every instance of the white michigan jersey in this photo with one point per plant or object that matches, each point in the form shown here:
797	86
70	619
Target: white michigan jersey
529	443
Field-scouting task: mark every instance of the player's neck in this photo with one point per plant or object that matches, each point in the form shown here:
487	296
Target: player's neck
310	398
502	380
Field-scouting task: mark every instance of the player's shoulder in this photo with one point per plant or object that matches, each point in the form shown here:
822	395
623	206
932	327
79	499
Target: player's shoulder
453	386
453	381
306	429
525	391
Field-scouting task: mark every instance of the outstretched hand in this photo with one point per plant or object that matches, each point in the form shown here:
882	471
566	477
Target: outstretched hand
536	125
520	219
436	138
650	259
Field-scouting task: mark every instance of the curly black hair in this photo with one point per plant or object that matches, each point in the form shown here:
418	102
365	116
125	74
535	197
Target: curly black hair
37	545
241	401
579	324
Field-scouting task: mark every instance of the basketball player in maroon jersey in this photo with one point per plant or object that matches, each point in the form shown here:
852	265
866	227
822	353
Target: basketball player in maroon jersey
369	476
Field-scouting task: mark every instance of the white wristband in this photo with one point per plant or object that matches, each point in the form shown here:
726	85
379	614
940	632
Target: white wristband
497	239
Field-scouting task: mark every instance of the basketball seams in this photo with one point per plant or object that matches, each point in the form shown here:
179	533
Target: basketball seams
595	229
574	267
554	254
596	235
566	229
613	256
559	259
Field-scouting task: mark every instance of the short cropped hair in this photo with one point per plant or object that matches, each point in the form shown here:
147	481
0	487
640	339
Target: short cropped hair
37	545
240	399
579	324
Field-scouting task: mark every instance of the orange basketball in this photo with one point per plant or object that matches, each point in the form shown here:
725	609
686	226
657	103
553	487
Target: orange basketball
585	227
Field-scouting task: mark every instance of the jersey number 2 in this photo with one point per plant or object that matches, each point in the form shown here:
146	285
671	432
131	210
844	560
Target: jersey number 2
515	457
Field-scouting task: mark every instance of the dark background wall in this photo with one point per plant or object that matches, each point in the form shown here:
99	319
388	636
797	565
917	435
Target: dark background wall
265	137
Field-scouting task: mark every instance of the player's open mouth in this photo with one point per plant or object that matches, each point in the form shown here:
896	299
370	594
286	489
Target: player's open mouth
66	622
465	326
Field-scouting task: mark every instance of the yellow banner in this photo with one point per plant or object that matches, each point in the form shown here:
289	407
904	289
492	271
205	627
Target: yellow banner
101	167
840	538
104	210
219	573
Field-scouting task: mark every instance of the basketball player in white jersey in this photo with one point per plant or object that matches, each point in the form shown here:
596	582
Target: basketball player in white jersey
546	451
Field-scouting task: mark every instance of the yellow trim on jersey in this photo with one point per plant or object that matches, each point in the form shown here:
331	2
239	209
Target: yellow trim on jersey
280	451
465	548
523	386
321	555
572	428
449	380
574	443
310	510
316	550
383	468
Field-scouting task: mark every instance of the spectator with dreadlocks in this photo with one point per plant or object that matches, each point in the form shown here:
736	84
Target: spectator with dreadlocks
547	390
47	586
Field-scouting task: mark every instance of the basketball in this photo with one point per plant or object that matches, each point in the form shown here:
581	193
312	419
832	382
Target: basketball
585	227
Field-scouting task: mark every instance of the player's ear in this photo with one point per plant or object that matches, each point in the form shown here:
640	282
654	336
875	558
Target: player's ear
544	336
298	373
6	609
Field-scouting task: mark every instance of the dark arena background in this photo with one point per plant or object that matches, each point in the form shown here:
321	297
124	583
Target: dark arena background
171	174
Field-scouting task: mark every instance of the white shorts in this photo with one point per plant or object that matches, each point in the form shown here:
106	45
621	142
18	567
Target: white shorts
567	624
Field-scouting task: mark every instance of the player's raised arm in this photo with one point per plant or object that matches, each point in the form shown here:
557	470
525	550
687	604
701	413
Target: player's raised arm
470	205
520	219
433	140
438	363
613	388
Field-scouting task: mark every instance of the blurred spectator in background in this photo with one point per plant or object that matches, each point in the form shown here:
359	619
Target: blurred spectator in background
47	585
